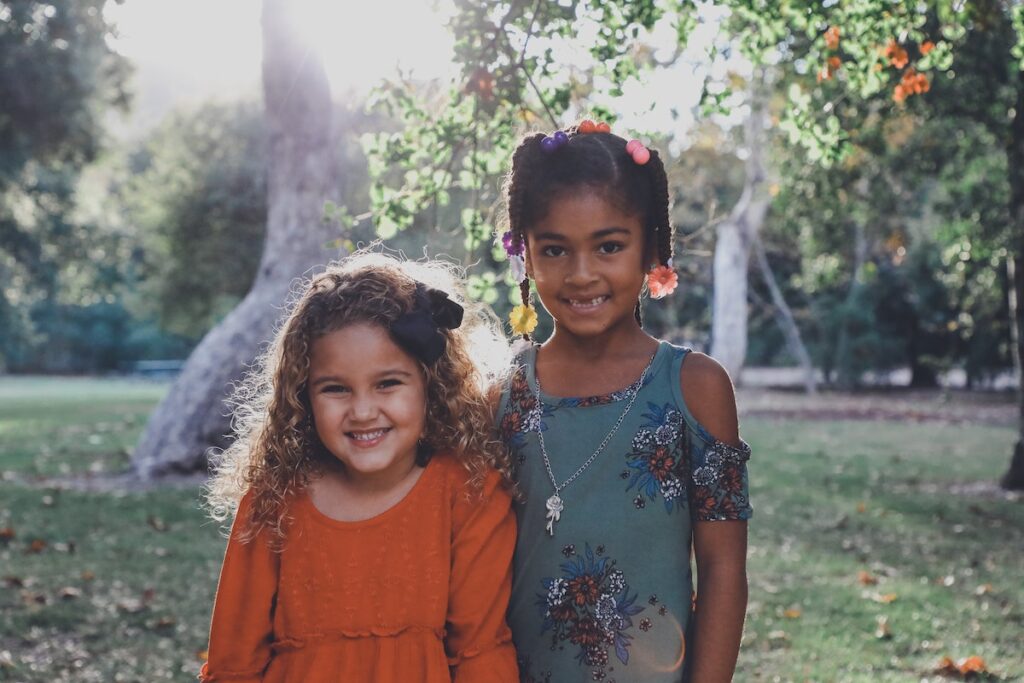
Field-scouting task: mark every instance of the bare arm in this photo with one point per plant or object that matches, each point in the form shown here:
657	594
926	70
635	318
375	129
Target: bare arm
720	547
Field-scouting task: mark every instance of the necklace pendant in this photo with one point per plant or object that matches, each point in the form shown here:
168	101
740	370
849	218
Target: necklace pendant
555	506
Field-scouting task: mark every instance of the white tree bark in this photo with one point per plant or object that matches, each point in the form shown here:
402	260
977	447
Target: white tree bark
732	252
784	317
193	416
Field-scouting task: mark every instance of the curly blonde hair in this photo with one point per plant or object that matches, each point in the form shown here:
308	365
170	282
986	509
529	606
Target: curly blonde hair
276	451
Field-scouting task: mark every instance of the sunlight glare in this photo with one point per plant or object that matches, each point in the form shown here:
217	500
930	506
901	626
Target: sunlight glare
363	43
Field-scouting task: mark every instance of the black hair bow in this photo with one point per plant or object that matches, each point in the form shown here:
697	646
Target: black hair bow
418	331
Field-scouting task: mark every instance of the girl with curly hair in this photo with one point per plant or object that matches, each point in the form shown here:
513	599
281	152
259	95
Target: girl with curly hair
372	534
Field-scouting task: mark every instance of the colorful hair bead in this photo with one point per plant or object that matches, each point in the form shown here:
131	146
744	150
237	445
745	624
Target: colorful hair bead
552	142
641	155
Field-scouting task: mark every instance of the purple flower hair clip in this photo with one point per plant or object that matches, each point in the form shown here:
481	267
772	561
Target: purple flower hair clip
513	246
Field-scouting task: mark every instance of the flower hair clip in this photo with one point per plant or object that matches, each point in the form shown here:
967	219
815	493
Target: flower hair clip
513	245
641	155
662	281
515	249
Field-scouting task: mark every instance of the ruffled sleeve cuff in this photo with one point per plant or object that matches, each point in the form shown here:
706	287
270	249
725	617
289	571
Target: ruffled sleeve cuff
233	676
720	483
494	663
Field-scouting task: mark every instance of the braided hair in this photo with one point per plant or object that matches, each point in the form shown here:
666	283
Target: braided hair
596	161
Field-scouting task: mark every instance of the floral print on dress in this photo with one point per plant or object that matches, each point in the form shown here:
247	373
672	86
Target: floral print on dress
719	482
590	605
657	463
521	416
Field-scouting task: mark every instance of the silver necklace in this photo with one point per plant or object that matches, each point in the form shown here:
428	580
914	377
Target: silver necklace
555	504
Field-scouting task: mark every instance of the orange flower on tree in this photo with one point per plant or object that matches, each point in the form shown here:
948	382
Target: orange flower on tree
896	55
899	94
832	38
915	83
927	46
662	281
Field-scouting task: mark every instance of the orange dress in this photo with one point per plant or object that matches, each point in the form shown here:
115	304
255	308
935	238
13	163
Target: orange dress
415	594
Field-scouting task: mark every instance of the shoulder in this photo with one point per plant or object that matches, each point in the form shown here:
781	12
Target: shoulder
709	395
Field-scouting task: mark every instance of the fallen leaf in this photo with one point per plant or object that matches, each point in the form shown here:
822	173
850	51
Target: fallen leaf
866	579
963	668
973	664
792	613
885	598
37	546
148	595
862	507
30	598
778	635
88	575
882	630
983	589
130	605
69	593
164	622
6	534
156	523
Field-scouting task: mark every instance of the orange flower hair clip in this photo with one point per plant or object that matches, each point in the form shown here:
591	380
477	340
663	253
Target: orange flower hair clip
662	281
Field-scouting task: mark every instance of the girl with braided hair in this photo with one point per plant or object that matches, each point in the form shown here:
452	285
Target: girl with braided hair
625	448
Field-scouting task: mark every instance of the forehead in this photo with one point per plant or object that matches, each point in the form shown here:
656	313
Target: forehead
358	350
582	214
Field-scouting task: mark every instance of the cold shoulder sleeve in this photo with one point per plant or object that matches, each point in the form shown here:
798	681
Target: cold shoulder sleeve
479	642
242	626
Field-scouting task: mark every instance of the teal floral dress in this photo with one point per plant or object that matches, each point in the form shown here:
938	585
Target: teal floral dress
608	597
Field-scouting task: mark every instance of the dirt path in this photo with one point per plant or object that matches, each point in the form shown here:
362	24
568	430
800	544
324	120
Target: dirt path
905	405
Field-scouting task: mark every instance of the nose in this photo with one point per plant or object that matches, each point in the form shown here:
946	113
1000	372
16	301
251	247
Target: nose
581	271
364	407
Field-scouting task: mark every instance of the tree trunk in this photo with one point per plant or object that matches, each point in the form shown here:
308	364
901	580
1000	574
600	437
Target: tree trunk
847	375
1014	477
193	417
784	317
732	251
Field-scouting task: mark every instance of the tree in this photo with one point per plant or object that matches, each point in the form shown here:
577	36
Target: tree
845	62
198	191
301	176
58	78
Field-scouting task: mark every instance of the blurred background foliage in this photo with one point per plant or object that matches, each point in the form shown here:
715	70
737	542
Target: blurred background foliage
891	256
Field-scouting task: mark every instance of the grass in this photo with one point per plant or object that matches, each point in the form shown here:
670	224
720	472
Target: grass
854	522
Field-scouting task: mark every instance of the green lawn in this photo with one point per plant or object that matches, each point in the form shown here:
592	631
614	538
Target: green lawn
118	586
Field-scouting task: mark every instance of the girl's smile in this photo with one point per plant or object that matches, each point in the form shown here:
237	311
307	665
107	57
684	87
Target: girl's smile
587	259
369	402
